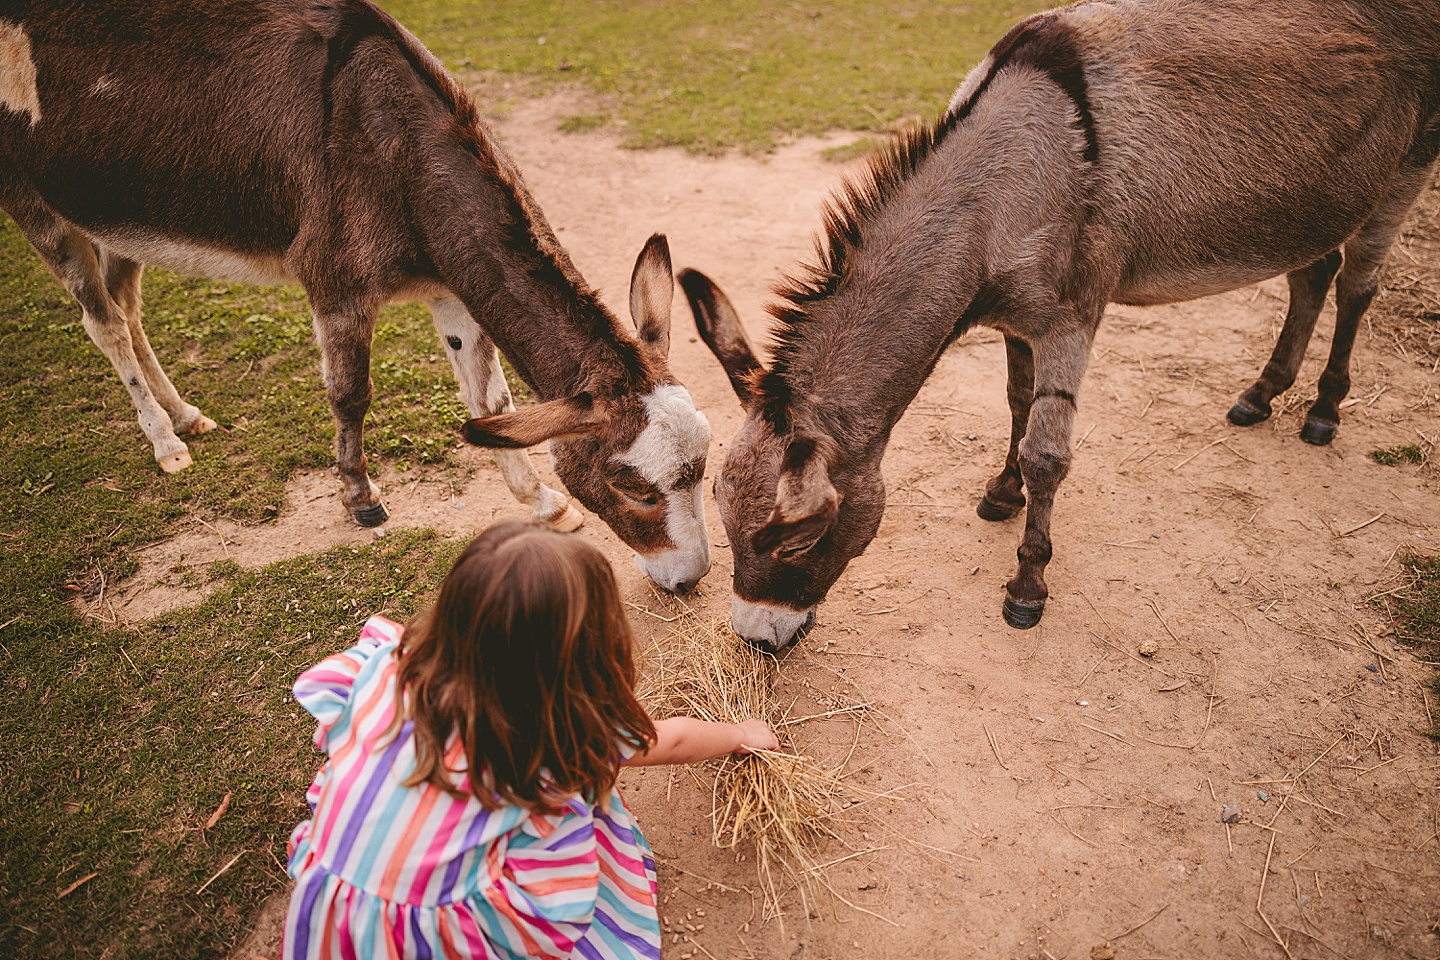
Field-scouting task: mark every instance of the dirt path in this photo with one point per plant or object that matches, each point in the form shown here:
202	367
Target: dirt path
1063	791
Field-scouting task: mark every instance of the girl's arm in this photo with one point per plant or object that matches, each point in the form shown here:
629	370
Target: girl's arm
687	740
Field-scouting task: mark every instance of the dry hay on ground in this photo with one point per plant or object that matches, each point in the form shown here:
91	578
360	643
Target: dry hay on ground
784	803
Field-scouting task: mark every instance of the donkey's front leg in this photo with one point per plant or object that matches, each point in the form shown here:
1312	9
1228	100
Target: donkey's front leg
344	335
484	392
1003	495
1060	360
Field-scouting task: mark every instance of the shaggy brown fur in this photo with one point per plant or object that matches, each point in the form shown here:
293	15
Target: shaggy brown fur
1132	151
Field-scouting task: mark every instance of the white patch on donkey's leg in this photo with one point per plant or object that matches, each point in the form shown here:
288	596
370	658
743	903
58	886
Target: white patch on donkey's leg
483	390
18	91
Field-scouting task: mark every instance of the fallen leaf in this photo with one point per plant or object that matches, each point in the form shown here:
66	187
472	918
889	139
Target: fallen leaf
219	812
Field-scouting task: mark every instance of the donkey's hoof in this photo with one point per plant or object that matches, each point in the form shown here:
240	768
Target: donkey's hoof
988	509
1022	614
370	516
567	520
202	424
1247	414
1318	432
175	462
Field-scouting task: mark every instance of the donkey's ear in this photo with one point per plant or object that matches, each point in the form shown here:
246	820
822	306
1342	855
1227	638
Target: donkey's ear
652	288
806	503
551	420
720	328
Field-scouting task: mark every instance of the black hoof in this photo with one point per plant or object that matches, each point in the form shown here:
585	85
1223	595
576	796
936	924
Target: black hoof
988	509
1318	432
1246	414
370	516
1023	614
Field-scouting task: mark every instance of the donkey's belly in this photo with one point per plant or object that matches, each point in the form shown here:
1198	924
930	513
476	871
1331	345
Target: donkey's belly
1176	287
196	260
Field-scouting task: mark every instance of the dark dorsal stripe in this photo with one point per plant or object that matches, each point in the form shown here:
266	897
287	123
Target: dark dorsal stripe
1045	42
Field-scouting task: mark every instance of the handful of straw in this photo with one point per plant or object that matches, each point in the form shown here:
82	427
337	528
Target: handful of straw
782	801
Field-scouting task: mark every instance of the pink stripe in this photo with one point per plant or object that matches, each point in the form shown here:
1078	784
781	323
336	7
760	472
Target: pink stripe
397	933
431	858
628	862
529	864
347	942
471	930
342	791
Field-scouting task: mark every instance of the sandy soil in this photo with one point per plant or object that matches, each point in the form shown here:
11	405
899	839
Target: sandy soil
1061	792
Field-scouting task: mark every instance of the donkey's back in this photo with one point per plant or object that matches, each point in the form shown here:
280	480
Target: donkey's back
1238	140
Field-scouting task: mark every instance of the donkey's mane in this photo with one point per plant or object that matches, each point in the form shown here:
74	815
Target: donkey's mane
529	232
1043	42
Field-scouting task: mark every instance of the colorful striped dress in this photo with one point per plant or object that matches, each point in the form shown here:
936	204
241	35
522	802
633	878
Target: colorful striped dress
385	872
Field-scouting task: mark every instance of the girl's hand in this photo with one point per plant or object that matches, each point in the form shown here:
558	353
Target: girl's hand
755	735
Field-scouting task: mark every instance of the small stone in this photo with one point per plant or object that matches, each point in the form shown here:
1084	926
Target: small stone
460	505
1229	813
1372	667
1102	952
871	885
970	436
1264	797
379	533
1148	648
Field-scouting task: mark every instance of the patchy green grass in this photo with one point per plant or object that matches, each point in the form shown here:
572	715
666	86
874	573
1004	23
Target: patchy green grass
707	76
851	151
119	743
581	122
1416	613
1394	456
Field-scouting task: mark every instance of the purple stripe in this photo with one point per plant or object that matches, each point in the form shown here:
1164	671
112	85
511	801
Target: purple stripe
581	834
584	948
619	828
356	818
452	870
641	946
314	884
422	948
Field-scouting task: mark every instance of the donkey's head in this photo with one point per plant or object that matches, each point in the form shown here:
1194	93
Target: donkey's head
797	506
633	454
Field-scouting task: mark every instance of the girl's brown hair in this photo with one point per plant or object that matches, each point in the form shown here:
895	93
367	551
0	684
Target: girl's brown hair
526	654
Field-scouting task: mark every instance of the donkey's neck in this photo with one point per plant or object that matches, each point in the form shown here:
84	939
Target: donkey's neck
953	243
494	250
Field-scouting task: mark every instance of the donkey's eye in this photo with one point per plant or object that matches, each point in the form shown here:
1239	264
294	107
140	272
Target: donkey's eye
644	498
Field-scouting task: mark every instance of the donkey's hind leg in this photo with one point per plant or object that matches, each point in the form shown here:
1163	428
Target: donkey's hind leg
122	279
1308	287
1004	496
74	260
1354	289
484	392
344	331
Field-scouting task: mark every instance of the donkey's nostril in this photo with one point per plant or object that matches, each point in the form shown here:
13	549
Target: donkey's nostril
685	586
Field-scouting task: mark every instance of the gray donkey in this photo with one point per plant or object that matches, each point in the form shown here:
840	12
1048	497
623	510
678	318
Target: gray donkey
317	141
1123	151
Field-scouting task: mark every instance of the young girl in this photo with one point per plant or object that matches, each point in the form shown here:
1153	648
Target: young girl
468	808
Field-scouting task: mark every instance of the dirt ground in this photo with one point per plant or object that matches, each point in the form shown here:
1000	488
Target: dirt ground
1059	791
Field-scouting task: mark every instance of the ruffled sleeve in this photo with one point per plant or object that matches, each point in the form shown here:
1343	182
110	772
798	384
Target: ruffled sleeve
324	690
544	881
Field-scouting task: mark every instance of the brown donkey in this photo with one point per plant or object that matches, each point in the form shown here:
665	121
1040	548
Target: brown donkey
317	141
1125	151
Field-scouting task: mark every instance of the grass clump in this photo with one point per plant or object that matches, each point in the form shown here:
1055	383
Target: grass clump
1394	456
1416	615
584	122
